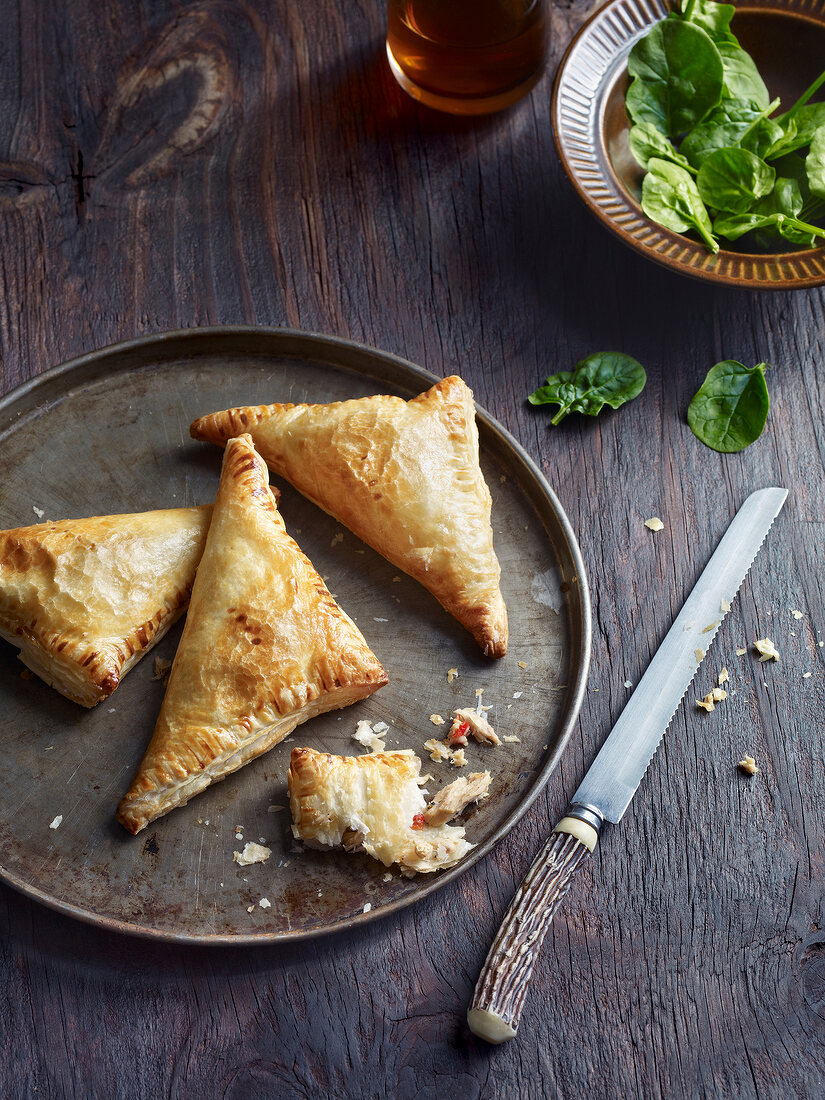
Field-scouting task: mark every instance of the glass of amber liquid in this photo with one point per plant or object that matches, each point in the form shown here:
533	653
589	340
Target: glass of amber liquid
468	57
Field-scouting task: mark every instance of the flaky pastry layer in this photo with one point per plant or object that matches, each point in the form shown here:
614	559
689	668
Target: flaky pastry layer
402	475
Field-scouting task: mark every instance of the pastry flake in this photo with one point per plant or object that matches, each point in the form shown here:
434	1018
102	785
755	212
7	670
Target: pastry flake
85	599
372	802
265	647
402	475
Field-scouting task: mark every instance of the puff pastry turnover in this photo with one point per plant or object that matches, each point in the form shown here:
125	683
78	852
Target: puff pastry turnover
402	475
375	803
85	599
264	648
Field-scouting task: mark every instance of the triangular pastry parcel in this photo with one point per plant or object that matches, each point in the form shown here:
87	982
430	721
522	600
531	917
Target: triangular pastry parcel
402	475
85	599
264	648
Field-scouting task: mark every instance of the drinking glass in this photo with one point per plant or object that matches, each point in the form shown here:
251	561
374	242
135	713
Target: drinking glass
467	56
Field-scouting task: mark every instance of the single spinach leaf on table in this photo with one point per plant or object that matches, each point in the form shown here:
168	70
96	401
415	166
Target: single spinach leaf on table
734	122
741	76
733	179
677	77
647	142
604	378
730	409
671	198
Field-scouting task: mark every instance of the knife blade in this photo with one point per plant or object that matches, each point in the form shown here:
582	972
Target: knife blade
614	776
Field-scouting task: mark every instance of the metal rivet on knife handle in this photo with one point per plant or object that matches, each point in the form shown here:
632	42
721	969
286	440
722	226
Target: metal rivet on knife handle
499	996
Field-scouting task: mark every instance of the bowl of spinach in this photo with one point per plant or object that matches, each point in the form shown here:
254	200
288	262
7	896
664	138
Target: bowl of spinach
695	131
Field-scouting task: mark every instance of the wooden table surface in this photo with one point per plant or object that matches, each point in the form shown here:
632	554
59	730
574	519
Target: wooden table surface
174	164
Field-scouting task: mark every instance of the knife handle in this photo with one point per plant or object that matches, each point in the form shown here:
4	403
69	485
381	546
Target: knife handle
502	985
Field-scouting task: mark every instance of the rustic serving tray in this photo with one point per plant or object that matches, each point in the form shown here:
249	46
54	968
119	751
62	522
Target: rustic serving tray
108	433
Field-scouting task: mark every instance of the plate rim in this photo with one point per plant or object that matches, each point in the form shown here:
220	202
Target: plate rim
621	22
28	390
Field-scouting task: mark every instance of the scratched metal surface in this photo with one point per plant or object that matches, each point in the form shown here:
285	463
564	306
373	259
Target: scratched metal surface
109	433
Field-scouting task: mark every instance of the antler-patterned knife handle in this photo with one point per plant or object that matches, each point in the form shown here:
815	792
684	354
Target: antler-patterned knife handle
502	986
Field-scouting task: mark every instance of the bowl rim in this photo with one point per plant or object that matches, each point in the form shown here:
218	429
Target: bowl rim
577	115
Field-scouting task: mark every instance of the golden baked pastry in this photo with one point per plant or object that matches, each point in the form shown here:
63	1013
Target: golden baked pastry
85	599
402	475
375	803
264	648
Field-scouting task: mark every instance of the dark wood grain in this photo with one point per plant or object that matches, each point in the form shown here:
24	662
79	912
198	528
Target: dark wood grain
177	164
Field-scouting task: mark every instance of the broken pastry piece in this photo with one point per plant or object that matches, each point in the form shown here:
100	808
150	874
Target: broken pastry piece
468	722
85	599
375	803
264	648
402	475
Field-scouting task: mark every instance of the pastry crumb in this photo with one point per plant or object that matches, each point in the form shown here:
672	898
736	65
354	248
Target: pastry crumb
38	511
741	651
766	649
396	580
458	759
368	737
699	654
437	750
516	694
386	877
522	664
274	809
265	903
437	720
252	853
719	694
723	677
380	728
628	684
748	765
337	538
55	824
796	614
451	674
250	908
805	675
239	836
367	907
513	740
710	626
724	606
654	524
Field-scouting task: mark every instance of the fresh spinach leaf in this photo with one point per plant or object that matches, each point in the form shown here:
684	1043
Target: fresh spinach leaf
734	226
604	378
797	130
741	76
647	142
711	17
731	407
677	77
815	164
733	122
671	198
733	179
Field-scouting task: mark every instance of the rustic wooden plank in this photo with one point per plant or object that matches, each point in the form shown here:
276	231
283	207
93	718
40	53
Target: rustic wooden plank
177	164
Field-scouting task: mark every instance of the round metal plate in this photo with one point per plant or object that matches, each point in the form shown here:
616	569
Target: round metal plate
108	433
787	41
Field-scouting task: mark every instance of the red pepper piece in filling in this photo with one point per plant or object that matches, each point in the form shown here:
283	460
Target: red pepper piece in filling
418	821
458	736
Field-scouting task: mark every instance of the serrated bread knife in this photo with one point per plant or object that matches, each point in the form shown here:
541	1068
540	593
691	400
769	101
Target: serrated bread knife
614	776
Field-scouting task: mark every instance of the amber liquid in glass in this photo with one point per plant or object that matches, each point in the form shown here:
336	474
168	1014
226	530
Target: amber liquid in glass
466	56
